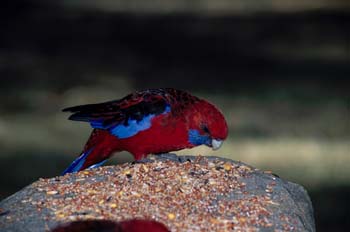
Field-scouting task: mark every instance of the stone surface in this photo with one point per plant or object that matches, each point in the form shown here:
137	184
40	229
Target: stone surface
215	194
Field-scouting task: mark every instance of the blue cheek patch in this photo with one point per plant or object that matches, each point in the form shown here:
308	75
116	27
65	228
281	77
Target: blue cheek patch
195	138
134	126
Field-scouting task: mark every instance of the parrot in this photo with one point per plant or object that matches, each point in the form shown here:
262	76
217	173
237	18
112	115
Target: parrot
151	121
133	225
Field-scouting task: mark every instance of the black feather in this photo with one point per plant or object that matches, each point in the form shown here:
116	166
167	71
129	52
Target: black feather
134	106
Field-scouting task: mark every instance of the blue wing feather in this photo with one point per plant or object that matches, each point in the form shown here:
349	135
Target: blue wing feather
136	109
98	124
125	122
134	126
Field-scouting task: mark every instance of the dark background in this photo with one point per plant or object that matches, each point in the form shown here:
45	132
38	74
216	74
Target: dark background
279	70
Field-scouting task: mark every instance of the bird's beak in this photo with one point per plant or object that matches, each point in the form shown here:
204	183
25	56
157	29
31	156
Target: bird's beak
216	144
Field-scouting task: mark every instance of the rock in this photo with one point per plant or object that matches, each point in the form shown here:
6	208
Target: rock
182	192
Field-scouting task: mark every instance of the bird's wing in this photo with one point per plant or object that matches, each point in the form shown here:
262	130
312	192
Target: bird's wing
132	113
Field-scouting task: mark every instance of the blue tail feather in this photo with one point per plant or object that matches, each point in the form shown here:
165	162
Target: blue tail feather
78	163
98	164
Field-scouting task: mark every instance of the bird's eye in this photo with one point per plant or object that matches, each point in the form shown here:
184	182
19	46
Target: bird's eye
205	129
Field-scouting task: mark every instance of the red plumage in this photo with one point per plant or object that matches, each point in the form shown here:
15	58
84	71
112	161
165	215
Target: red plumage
149	122
133	225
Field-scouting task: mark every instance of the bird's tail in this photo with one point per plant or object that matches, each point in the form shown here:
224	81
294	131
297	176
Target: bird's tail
96	151
78	163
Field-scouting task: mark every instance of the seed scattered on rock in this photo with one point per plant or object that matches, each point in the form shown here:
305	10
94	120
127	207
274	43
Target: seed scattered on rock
171	216
126	172
188	196
227	166
52	192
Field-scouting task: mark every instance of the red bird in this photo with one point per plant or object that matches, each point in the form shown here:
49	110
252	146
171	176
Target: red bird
133	225
147	122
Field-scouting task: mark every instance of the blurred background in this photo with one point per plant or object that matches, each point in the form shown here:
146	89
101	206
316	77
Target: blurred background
279	70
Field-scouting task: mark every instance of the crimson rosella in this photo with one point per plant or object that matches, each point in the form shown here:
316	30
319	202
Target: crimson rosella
133	225
147	122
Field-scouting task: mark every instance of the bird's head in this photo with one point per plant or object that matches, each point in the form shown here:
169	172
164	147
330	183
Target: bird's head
206	125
